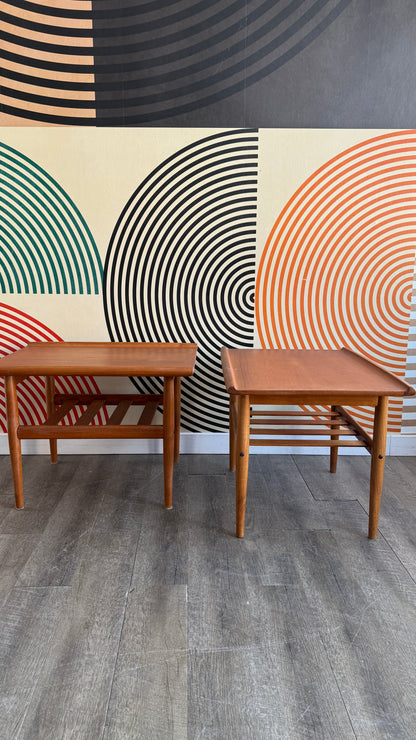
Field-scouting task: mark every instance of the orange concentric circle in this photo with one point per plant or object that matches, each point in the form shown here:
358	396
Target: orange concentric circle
337	267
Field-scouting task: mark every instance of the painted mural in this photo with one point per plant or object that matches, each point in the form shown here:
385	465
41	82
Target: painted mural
181	264
277	63
226	173
336	270
16	330
238	237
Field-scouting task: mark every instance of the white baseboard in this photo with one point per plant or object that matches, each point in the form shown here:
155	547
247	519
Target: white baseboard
191	442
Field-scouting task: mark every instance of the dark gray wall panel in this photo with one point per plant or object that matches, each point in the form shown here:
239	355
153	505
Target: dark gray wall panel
268	63
331	63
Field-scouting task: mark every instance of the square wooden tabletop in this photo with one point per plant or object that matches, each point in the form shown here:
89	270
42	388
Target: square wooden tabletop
290	371
101	358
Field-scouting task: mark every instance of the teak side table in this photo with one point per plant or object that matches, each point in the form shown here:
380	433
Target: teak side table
50	359
281	377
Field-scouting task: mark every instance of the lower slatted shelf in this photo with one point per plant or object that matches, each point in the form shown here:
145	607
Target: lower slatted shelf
306	429
55	428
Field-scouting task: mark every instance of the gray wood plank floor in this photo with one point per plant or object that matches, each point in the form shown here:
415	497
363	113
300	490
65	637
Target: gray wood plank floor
122	620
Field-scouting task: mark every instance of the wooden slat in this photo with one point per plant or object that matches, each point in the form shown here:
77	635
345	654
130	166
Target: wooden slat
305	443
360	433
306	432
148	413
119	412
111	399
308	422
59	414
292	413
90	412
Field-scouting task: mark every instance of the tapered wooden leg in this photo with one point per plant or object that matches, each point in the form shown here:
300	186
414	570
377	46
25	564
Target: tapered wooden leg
233	431
14	441
333	454
177	386
377	463
168	437
243	437
50	408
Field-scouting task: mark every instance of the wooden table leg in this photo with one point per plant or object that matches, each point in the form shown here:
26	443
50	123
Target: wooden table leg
168	437
243	437
233	430
333	454
377	463
50	408
177	386
14	441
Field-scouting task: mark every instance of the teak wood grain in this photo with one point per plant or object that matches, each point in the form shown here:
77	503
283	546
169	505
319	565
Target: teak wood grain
288	372
306	377
101	359
171	361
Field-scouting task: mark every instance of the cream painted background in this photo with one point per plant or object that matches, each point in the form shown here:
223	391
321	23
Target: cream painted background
100	169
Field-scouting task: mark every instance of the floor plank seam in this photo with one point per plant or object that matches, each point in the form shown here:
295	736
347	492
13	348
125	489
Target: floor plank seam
339	688
397	556
293	459
126	600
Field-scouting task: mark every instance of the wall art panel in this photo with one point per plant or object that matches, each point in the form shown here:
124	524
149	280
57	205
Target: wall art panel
276	63
174	222
181	264
337	267
46	245
16	330
409	406
241	237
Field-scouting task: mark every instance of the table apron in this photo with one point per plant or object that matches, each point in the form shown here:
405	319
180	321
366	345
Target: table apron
309	399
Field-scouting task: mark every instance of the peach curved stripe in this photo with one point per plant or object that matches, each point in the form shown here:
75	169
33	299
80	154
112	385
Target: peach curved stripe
48	56
49	38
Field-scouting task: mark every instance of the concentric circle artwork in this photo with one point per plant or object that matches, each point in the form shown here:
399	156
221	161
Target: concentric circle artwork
127	63
409	405
17	328
181	264
46	245
338	264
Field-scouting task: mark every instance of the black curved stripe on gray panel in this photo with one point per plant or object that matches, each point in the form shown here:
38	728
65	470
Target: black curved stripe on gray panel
148	62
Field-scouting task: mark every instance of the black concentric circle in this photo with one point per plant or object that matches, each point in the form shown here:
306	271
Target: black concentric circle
181	264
